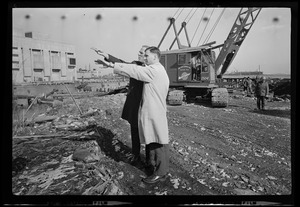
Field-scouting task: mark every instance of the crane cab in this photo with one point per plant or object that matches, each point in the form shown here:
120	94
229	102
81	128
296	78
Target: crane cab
190	67
192	73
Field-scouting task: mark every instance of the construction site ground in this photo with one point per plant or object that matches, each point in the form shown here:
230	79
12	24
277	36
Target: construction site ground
236	150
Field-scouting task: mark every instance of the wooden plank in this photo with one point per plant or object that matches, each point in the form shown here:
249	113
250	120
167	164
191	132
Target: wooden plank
31	104
62	136
39	136
73	99
43	119
23	96
20	96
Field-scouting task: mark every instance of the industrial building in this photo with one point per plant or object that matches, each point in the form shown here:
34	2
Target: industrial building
35	58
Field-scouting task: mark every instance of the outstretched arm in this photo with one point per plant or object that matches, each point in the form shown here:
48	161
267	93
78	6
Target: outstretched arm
141	73
113	59
107	57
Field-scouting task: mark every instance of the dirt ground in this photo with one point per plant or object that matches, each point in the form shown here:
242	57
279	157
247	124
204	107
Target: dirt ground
236	150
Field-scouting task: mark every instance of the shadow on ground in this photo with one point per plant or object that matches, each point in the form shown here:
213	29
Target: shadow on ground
114	148
200	102
274	112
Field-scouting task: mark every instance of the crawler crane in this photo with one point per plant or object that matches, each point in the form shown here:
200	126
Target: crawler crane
196	71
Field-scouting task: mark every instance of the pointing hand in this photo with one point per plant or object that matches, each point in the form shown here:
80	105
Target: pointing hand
103	61
99	52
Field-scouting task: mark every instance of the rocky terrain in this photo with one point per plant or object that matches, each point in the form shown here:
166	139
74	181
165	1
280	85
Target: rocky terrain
59	150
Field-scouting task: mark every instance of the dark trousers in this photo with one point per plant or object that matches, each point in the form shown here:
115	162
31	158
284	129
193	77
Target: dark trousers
135	140
159	157
136	145
249	90
261	102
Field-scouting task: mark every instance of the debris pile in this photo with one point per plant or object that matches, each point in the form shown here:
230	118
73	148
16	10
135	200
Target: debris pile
61	167
84	87
82	146
281	87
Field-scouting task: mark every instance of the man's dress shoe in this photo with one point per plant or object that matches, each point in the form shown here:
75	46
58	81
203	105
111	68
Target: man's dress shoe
155	178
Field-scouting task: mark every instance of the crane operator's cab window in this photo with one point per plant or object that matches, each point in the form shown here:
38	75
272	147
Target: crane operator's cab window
204	68
199	67
182	59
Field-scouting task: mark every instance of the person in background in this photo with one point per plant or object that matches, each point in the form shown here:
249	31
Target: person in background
131	106
261	92
153	124
196	64
244	82
249	86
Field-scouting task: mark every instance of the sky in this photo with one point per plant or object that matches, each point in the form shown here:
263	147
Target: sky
122	31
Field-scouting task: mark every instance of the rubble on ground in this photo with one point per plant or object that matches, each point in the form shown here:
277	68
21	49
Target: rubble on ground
57	150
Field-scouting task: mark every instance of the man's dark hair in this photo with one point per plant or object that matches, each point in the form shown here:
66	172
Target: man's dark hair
154	50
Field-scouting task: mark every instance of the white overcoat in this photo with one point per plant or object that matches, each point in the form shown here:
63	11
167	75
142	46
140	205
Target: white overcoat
152	123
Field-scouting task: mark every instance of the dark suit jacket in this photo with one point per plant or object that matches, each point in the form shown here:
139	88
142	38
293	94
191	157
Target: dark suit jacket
134	95
262	89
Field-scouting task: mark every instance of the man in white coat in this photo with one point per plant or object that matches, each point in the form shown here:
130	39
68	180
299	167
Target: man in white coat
152	123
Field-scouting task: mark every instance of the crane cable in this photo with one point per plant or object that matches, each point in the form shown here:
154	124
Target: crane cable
179	13
214	27
188	15
192	16
176	12
206	26
198	25
211	31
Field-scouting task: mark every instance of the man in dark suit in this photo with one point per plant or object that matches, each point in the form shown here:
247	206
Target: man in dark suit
261	92
131	106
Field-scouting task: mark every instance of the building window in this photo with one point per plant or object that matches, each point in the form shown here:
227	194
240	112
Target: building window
181	59
55	70
72	61
15	64
15	58
38	70
38	79
55	60
38	74
38	59
28	34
